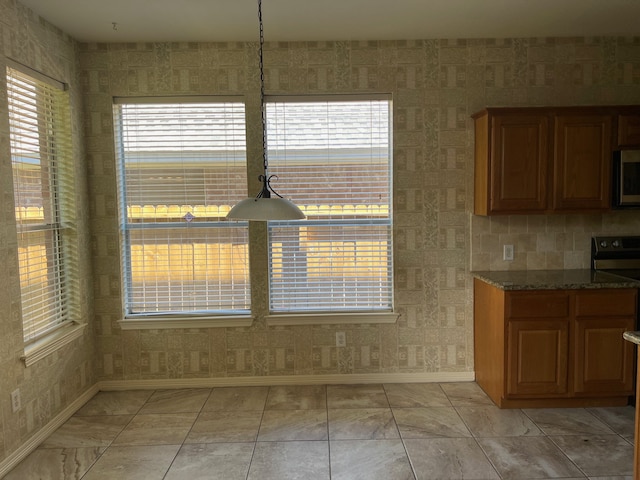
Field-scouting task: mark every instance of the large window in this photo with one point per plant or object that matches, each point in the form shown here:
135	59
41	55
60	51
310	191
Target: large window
40	143
182	165
333	159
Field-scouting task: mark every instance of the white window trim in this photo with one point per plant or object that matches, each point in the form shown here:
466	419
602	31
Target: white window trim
186	319
161	322
71	329
48	344
299	318
330	317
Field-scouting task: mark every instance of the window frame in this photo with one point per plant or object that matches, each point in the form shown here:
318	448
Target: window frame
50	99
336	316
172	318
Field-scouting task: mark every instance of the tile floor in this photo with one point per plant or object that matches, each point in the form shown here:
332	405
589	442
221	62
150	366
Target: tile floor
389	432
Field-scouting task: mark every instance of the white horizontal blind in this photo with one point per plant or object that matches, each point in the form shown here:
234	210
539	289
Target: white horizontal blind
40	141
333	159
182	165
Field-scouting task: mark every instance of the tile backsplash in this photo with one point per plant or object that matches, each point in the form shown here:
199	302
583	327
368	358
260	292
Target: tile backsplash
544	242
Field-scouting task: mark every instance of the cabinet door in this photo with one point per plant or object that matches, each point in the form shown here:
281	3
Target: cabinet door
519	163
628	131
537	357
603	359
582	160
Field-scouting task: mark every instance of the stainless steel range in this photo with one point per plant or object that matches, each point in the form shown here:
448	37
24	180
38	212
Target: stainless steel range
617	255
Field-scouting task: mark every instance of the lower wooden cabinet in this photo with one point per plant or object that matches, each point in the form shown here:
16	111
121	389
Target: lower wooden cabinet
552	348
537	358
602	364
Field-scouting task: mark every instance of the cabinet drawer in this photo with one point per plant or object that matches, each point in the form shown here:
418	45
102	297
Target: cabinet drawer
530	305
606	303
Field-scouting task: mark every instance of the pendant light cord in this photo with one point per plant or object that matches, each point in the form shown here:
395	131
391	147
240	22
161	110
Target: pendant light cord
265	178
262	107
277	208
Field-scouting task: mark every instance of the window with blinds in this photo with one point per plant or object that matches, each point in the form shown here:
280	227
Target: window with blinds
333	157
182	165
40	143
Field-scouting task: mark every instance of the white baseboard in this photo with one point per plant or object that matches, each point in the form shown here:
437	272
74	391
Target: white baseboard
331	379
41	435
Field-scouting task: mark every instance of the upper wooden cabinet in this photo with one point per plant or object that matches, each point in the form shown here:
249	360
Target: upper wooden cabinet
628	130
511	162
547	160
582	162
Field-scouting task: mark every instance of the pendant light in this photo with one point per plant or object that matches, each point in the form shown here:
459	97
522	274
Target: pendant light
268	204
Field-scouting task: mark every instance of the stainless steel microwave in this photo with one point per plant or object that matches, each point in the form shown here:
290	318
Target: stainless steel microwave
626	179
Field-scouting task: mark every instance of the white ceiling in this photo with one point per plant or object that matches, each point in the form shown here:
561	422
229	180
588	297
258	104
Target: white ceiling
290	20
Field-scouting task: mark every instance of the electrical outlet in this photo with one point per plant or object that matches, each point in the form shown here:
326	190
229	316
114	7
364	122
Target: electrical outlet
15	400
507	253
341	339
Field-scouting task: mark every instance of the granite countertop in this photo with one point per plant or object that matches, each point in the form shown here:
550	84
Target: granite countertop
633	337
554	279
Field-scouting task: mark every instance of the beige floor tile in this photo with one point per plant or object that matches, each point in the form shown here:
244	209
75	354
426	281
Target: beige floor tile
116	403
465	394
94	431
527	457
430	422
369	460
608	477
225	427
236	398
619	419
567	421
362	424
495	422
212	461
448	459
219	441
297	397
55	464
176	401
416	395
356	396
597	455
281	425
157	429
133	463
290	461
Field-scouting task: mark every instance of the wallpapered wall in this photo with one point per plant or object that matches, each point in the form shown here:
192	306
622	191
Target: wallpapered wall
53	383
436	86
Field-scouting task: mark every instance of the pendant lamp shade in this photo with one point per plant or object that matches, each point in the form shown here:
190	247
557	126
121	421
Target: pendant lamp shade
262	209
265	206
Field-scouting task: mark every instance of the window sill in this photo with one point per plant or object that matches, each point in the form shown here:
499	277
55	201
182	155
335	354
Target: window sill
331	318
50	343
186	321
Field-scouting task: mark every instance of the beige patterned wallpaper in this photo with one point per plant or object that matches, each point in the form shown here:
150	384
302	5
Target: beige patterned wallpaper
436	86
52	384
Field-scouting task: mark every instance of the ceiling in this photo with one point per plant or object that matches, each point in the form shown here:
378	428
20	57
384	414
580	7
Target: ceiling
290	20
